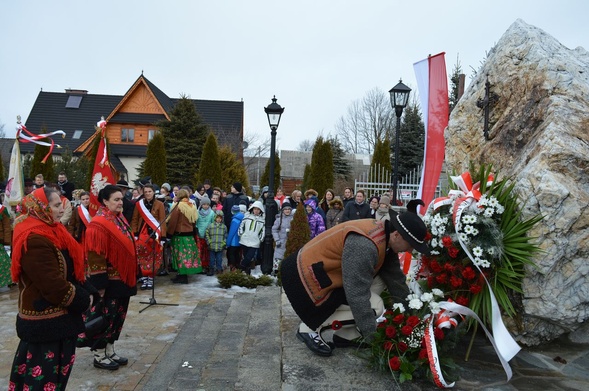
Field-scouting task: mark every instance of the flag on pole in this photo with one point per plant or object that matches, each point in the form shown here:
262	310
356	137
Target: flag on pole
102	174
14	185
432	83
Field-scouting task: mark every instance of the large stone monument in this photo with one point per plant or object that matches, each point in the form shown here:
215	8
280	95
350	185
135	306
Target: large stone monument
539	136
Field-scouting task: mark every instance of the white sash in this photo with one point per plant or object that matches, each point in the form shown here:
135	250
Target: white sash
149	219
84	215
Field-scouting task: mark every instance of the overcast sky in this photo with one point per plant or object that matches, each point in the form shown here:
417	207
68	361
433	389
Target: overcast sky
315	56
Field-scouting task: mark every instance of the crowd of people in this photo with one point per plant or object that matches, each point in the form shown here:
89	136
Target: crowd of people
96	263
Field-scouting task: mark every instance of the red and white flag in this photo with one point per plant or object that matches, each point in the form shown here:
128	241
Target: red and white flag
432	83
102	174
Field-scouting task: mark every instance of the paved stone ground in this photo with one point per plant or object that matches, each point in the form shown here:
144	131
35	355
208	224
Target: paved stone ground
232	340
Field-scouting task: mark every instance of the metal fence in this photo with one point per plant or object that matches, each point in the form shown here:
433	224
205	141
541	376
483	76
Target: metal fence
378	180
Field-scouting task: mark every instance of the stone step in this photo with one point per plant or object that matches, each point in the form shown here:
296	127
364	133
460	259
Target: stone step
228	343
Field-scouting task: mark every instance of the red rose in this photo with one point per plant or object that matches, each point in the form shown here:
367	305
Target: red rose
406	330
402	347
422	354
428	236
390	332
453	252
431	282
25	387
448	267
389	312
442	278
455	282
37	371
29	355
447	241
462	300
435	266
11	386
49	387
65	369
468	273
388	345
395	363
49	355
475	288
438	334
399	319
22	368
381	325
412	321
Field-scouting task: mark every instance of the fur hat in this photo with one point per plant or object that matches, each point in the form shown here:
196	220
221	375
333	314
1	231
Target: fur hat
311	191
336	201
412	229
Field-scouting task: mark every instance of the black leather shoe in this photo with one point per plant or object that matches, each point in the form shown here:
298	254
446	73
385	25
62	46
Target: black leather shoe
315	344
119	360
340	342
106	363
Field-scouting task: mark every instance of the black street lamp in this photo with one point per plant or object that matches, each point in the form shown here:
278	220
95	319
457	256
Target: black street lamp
399	98
274	112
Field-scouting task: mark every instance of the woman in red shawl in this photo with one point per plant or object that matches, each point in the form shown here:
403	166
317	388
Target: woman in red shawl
112	261
48	265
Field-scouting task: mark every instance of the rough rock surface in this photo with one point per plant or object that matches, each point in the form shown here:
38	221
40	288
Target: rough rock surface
539	135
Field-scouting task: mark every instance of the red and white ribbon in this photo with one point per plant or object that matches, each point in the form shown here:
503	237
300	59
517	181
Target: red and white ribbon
28	137
149	219
84	215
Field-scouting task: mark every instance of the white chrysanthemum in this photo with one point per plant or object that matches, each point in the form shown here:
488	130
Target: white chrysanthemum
399	306
491	251
434	230
475	231
485	264
445	220
493	202
483	201
434	252
469	219
434	242
499	209
412	296
489	212
477	251
427	297
434	307
437	292
415	304
468	229
463	237
479	210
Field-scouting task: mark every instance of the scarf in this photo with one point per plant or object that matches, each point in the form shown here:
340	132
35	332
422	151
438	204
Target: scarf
204	212
187	208
37	219
109	234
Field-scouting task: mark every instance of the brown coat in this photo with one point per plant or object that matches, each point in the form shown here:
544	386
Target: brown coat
76	226
5	228
179	224
158	211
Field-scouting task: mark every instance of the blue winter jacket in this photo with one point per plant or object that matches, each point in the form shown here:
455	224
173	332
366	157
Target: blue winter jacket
232	237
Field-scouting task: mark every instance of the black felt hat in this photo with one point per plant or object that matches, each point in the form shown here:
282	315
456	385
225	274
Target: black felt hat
412	229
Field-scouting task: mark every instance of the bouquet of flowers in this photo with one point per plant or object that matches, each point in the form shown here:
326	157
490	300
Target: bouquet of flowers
478	233
399	345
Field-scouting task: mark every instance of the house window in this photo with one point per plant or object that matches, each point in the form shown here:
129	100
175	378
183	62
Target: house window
77	134
73	102
150	134
127	135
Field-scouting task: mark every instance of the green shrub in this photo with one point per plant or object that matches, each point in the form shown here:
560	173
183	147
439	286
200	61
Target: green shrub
228	279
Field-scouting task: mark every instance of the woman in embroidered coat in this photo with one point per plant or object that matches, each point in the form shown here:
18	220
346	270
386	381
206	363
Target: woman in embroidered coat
316	223
6	238
149	215
48	265
112	259
181	228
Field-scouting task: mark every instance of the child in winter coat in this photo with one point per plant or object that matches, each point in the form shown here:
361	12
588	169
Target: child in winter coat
280	231
216	235
315	220
251	233
233	246
206	216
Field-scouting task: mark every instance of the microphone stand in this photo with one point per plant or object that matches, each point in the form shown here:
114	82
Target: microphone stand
152	300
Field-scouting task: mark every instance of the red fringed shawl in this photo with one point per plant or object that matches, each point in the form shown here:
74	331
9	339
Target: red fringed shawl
105	238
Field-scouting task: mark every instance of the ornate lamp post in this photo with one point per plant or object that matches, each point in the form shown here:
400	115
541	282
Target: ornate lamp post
399	98
274	112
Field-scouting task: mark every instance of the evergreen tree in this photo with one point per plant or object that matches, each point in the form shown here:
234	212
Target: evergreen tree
454	83
321	177
154	164
265	178
184	135
38	167
306	178
232	170
411	140
381	161
342	169
210	166
300	233
76	168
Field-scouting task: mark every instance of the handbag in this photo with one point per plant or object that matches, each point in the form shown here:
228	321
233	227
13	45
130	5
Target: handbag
95	322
